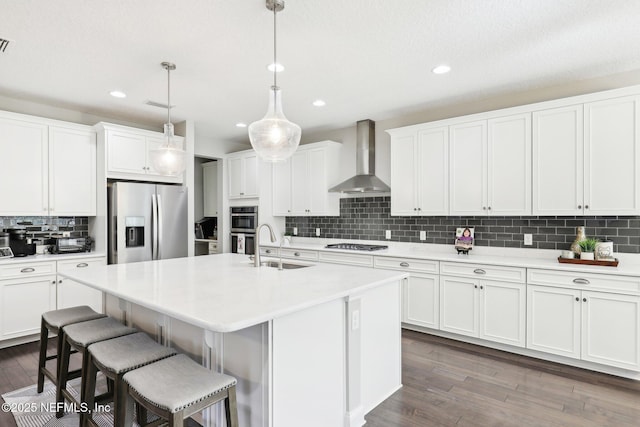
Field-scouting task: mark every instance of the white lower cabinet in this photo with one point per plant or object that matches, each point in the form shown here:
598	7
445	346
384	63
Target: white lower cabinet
484	308
421	300
71	293
28	289
22	302
596	320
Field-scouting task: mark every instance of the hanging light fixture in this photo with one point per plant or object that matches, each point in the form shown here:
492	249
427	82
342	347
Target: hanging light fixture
170	158
274	137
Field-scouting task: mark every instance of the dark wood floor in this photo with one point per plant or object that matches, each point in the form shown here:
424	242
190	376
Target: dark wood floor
448	383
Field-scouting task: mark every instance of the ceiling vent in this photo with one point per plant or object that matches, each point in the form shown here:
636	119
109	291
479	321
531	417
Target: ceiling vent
158	104
4	45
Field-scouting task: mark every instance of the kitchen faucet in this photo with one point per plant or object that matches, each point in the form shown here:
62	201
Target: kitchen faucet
256	257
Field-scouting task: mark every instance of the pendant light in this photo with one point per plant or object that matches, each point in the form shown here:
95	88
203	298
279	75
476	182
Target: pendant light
274	137
170	158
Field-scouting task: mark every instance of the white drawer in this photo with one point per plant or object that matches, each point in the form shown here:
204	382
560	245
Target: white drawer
589	281
213	248
80	263
299	254
342	258
269	251
407	264
480	271
15	271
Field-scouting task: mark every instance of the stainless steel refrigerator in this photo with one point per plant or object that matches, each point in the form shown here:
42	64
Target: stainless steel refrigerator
146	222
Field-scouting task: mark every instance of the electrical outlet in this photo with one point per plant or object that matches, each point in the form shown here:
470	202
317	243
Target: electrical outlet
295	231
528	239
387	234
317	232
423	235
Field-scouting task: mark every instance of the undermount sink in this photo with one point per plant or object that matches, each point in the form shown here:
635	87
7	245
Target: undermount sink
285	265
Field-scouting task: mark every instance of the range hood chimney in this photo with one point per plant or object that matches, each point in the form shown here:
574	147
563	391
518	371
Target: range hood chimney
365	180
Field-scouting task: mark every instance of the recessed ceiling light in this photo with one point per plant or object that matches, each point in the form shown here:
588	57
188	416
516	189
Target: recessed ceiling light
441	69
241	125
275	67
118	94
319	103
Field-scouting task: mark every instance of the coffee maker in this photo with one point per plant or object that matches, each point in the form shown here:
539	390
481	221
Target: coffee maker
19	243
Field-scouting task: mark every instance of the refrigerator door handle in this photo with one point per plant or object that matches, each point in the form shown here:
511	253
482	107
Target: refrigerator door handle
159	227
154	227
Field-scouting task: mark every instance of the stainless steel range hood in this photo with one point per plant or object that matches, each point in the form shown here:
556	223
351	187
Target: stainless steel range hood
365	180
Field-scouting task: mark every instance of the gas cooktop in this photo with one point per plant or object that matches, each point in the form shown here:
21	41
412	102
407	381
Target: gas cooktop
356	247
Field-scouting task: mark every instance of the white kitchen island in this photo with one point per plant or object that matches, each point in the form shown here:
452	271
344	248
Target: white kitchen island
314	346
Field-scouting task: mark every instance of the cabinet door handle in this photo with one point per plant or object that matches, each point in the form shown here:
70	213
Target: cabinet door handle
242	194
580	281
82	265
489	208
60	281
484	208
53	282
577	299
296	254
586	206
579	206
475	286
404	264
584	300
481	287
479	271
28	270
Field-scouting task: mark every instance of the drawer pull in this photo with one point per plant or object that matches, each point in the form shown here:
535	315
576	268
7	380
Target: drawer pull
581	281
268	251
296	254
479	271
82	265
404	264
28	270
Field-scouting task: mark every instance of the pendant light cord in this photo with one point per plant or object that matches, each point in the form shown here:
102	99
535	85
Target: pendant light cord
275	61
169	94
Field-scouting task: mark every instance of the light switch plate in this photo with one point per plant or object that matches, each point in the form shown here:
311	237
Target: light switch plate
423	235
317	232
528	239
387	234
295	231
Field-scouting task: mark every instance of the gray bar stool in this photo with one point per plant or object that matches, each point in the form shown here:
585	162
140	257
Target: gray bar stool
177	387
52	321
79	336
114	358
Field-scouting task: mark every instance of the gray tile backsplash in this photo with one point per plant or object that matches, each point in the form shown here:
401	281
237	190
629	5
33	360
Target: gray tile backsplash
46	225
367	218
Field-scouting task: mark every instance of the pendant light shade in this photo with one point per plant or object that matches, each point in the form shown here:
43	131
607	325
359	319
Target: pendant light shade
170	159
274	138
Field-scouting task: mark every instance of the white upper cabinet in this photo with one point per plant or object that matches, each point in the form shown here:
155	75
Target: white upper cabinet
419	172
301	183
558	161
127	153
611	157
468	170
24	171
56	163
72	165
586	159
243	174
210	188
490	166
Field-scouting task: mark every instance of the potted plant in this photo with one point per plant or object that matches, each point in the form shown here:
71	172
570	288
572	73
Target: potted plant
587	247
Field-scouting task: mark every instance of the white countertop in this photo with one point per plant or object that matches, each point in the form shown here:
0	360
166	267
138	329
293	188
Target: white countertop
629	264
225	293
50	257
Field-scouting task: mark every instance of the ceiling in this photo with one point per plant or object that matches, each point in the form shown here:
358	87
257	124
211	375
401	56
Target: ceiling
365	58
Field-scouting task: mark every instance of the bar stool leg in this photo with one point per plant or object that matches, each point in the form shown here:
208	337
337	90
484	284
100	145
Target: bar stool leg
62	376
42	360
88	391
231	408
177	419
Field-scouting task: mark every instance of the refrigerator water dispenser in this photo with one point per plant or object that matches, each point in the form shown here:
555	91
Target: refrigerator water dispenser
134	229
